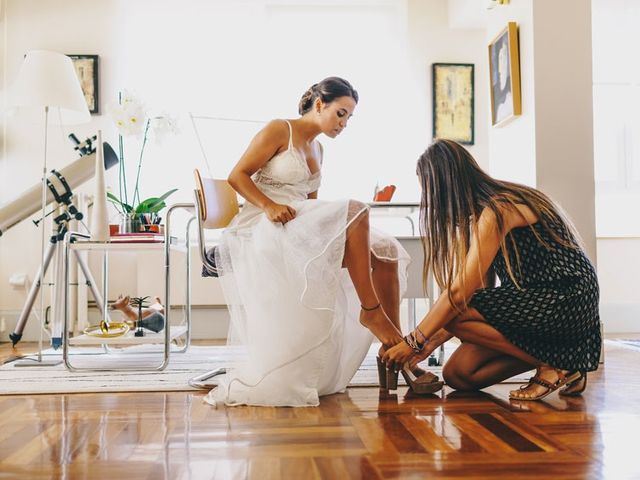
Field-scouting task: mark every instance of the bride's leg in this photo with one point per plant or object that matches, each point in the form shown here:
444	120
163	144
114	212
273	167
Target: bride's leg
387	287
357	260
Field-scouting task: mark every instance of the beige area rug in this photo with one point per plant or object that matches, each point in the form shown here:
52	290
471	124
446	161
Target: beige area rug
182	366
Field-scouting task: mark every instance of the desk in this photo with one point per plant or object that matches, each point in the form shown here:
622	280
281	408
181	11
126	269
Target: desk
396	210
77	242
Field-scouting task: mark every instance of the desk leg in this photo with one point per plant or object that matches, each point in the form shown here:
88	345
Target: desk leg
411	305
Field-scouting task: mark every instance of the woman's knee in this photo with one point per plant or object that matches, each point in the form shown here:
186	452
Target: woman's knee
457	379
358	214
390	266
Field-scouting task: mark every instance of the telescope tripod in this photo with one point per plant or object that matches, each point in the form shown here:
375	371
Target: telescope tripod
55	249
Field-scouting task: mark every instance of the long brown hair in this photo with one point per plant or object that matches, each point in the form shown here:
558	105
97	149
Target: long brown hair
455	191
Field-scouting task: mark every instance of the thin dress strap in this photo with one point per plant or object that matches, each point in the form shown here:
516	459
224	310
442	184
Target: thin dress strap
290	147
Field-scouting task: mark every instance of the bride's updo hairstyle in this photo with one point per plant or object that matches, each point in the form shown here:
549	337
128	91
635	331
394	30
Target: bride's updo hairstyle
327	90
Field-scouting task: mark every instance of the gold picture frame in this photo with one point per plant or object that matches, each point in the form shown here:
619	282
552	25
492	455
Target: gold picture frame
504	76
453	101
86	67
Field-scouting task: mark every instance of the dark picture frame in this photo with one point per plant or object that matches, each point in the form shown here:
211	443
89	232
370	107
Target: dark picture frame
453	101
86	67
504	73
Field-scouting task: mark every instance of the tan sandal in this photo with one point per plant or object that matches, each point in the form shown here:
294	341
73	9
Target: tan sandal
563	379
576	387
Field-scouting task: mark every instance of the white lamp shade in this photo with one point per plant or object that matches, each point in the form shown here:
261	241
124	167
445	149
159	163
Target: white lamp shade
48	79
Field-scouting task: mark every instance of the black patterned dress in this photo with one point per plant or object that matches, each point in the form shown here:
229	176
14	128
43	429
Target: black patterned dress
554	315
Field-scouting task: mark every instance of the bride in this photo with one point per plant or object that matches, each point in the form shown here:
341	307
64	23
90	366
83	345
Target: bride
301	276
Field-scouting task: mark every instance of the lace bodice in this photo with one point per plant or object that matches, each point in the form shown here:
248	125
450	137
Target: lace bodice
287	174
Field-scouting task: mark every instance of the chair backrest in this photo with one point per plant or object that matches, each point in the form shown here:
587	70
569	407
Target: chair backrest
216	204
216	201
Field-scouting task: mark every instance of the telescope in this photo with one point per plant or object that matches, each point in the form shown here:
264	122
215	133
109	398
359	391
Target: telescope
60	184
59	189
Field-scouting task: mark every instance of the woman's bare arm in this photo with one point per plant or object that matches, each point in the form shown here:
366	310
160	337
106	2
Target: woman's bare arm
267	143
483	250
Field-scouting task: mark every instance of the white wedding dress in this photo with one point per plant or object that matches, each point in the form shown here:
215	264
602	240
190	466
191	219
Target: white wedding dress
294	310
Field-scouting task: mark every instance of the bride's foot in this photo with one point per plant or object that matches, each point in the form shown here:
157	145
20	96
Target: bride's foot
546	381
377	321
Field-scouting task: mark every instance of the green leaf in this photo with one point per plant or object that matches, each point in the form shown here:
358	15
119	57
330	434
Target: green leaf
116	201
153	204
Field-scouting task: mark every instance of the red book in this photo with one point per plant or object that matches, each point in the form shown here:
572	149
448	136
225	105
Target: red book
136	237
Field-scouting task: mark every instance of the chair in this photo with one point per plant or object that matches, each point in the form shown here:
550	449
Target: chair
216	203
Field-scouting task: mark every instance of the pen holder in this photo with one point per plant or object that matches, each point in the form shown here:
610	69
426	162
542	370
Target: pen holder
152	228
129	225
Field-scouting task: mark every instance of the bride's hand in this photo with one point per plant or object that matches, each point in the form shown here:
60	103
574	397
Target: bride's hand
279	213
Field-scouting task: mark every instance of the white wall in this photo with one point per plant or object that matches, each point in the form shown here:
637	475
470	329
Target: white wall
237	59
248	60
512	146
433	38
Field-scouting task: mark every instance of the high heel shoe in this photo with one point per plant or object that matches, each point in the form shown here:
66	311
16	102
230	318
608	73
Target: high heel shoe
427	382
387	377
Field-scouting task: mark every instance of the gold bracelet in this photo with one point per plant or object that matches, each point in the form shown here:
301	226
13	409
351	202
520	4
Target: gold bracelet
107	330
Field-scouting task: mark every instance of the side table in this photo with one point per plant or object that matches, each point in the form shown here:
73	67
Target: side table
76	242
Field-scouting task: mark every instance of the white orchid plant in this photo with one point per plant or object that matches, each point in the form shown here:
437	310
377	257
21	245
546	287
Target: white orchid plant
132	119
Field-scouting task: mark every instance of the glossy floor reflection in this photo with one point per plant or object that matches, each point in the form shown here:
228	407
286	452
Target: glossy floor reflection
363	433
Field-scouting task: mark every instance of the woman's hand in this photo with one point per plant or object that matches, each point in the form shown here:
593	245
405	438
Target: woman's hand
279	213
397	356
418	357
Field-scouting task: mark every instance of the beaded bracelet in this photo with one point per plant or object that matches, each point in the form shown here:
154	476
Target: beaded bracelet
411	341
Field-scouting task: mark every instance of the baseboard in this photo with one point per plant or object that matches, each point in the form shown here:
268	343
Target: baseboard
206	323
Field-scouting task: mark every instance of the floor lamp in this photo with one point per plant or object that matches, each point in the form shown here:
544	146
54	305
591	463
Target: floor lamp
47	90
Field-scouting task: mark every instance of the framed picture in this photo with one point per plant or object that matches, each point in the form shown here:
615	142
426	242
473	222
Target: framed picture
453	107
504	71
87	69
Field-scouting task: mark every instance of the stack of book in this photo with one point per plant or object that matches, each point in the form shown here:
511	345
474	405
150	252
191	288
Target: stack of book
137	237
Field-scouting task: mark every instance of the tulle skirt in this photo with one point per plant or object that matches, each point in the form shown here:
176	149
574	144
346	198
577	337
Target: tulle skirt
294	310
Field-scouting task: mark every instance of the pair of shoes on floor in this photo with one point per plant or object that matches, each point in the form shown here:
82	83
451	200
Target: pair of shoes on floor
574	384
420	381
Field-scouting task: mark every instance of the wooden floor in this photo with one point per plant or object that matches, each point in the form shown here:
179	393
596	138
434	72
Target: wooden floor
364	433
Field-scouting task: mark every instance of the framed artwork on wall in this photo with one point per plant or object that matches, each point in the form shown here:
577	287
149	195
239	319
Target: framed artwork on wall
87	69
453	101
504	73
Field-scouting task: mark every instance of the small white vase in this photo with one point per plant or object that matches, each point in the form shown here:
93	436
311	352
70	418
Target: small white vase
99	216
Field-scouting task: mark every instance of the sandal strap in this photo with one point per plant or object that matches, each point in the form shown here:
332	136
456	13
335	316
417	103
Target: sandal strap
543	383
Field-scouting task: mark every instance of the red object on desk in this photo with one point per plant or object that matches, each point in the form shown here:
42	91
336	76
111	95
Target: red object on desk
385	194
